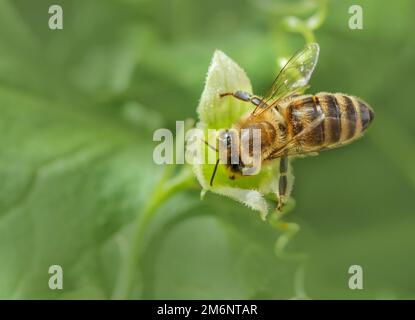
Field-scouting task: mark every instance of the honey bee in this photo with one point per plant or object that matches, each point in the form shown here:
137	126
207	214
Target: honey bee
295	124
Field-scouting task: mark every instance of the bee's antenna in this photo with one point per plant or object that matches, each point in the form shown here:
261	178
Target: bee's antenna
217	161
214	173
209	145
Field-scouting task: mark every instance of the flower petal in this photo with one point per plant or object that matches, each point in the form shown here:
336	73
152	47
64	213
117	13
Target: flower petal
251	198
224	75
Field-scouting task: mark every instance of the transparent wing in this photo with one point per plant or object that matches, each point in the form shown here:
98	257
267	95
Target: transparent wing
292	78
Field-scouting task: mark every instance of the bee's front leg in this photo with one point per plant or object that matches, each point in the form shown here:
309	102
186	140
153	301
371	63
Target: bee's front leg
244	96
283	182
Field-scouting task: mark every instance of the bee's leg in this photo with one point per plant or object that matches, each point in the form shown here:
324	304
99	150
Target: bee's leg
244	96
283	182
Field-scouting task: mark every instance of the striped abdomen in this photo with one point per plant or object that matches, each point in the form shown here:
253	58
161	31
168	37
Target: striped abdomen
345	119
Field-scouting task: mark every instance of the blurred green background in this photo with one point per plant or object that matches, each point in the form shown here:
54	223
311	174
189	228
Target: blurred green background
78	107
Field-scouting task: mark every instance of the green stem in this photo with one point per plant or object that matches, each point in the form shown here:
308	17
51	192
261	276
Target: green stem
299	282
288	231
163	190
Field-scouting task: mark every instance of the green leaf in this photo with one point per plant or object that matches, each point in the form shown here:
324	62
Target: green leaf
70	180
230	256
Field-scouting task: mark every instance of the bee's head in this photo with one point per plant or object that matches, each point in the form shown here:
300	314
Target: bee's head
228	151
229	147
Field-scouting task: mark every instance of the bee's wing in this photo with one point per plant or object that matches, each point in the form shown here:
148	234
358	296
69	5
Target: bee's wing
292	78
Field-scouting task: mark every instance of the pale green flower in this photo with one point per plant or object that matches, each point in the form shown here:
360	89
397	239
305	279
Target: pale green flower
224	75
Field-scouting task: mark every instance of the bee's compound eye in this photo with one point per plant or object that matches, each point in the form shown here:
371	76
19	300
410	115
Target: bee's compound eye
225	137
